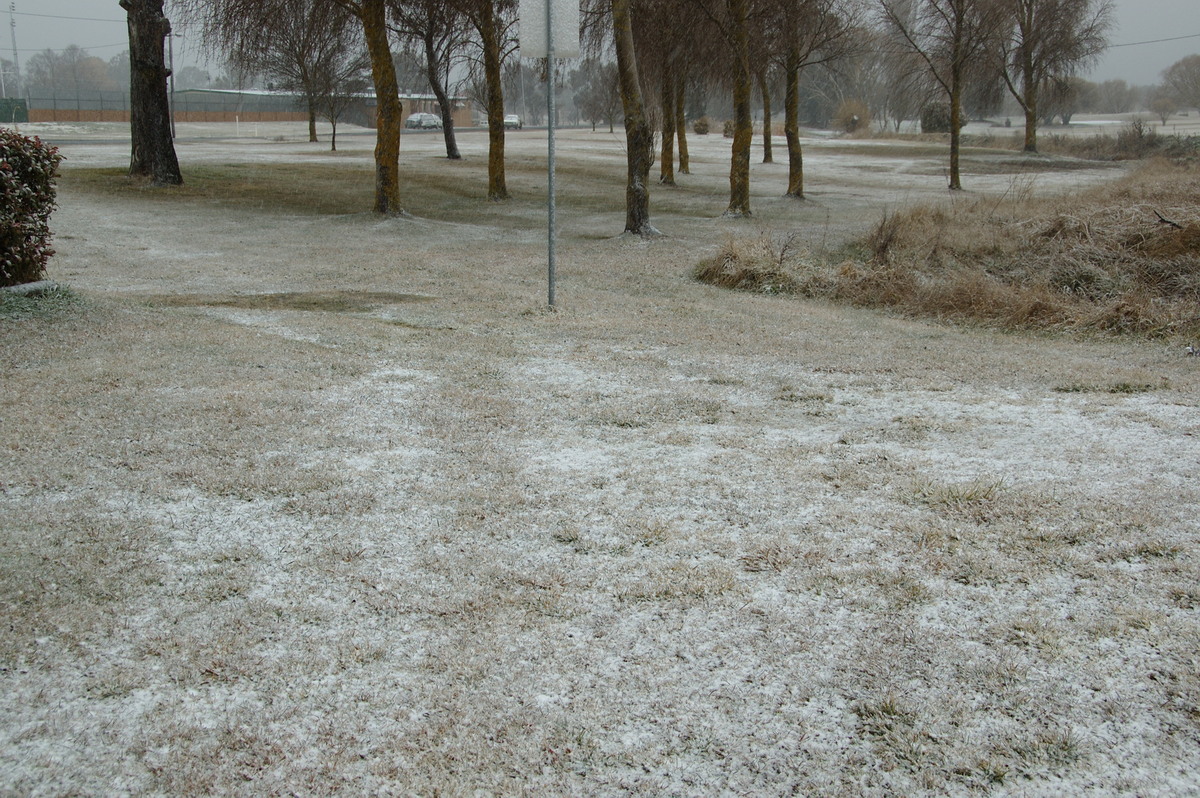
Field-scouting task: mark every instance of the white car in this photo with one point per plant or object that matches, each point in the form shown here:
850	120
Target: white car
513	122
419	121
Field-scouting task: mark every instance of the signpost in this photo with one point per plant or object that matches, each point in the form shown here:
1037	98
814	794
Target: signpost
550	30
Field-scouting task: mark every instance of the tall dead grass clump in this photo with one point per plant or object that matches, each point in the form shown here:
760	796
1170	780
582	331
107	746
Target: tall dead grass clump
1119	259
762	265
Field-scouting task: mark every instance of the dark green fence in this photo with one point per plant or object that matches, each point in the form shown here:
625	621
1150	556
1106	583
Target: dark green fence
13	111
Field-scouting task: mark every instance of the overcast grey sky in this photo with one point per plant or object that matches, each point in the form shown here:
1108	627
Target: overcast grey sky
99	27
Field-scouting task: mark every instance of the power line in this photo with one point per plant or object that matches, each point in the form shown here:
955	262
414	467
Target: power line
55	16
89	47
1157	41
75	19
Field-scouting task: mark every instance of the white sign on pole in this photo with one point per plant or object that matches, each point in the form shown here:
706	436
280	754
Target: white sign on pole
563	28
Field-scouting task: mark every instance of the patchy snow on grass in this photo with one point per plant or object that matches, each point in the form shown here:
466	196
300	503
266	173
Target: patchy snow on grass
667	540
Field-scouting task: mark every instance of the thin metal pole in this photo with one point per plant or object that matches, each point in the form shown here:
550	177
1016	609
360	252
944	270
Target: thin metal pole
550	148
171	56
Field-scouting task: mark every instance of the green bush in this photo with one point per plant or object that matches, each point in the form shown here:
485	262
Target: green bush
729	128
27	198
935	118
701	126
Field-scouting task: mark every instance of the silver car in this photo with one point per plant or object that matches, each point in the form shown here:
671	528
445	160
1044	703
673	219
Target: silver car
420	121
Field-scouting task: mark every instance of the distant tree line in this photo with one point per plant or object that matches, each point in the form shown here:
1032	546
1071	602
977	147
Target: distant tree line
667	67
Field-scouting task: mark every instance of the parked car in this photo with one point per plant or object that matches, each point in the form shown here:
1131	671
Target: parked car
419	121
513	122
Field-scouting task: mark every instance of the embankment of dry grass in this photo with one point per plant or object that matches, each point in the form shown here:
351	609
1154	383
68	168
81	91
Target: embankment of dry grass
1136	140
1122	258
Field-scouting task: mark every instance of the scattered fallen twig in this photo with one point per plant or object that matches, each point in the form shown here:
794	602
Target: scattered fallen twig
1164	220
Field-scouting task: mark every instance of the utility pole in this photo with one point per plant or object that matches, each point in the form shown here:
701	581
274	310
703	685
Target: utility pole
12	22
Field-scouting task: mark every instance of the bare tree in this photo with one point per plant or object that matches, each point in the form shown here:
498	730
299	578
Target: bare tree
662	37
373	16
891	80
763	78
1046	39
153	151
948	35
491	20
1162	103
1116	97
668	85
118	69
1183	79
738	32
338	80
681	83
1065	97
812	32
233	25
638	135
766	39
731	19
440	28
599	94
310	50
68	71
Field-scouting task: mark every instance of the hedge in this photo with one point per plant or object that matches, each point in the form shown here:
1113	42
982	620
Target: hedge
27	198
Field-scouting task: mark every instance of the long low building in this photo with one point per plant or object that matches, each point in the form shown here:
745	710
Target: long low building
215	105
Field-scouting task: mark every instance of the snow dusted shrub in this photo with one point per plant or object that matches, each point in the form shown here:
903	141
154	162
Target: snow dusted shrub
852	116
935	118
27	198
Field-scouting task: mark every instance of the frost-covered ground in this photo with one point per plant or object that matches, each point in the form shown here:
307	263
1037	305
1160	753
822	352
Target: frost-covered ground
397	529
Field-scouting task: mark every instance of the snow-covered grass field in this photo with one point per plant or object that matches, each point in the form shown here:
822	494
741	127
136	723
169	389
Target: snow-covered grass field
306	504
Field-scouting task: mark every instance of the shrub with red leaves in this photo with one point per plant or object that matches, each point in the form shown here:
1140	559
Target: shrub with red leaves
27	198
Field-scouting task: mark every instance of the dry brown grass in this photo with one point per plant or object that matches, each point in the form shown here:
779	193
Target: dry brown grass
269	528
1134	141
1123	258
750	266
302	188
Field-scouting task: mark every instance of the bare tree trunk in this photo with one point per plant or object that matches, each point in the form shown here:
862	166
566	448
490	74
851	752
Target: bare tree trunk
765	91
312	119
1030	105
638	136
955	139
743	125
333	136
153	152
666	161
791	127
389	110
681	126
949	36
439	91
956	91
497	186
